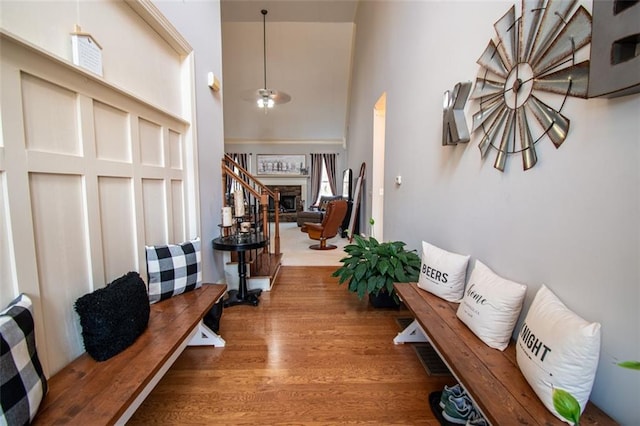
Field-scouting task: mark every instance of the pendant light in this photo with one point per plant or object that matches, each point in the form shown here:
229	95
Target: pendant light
266	98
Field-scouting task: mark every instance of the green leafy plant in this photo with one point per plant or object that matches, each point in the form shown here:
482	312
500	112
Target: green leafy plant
631	365
566	405
372	267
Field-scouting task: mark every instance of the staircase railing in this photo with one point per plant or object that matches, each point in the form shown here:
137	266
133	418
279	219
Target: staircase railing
257	196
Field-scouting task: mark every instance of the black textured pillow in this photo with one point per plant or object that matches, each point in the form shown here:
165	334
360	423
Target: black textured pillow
113	317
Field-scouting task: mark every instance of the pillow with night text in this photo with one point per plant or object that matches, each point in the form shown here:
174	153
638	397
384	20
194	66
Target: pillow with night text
443	273
558	352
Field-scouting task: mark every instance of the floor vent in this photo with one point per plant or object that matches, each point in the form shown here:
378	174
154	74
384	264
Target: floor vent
429	358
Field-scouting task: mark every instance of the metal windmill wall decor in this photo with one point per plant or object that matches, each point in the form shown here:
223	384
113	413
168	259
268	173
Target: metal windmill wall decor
533	58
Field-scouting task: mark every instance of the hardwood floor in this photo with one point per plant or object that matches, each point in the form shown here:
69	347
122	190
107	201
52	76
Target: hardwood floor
310	353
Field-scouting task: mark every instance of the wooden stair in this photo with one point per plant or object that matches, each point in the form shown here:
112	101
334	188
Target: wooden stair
264	264
262	271
265	271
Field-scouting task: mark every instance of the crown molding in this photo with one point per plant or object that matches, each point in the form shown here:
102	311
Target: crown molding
284	141
156	20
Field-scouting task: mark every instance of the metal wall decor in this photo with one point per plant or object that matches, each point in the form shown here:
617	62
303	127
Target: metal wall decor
454	123
534	56
615	55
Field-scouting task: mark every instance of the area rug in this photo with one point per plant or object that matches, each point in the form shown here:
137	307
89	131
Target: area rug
428	356
294	246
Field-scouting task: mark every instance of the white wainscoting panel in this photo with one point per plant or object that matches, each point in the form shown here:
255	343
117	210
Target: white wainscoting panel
7	281
151	149
118	226
89	174
177	209
155	215
175	150
112	133
59	214
51	123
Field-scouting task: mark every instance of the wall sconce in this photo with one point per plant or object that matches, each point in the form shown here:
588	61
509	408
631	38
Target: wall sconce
213	82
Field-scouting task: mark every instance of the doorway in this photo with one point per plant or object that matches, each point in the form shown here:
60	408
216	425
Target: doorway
377	171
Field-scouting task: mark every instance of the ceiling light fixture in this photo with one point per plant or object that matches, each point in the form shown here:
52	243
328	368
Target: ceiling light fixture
266	98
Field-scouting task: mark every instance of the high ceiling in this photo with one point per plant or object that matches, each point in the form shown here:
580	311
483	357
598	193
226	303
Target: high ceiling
309	50
289	10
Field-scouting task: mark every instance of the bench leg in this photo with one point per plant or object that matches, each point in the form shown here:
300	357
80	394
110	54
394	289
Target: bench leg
413	333
206	337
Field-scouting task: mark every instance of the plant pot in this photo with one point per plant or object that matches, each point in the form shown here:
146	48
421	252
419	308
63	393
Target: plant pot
383	300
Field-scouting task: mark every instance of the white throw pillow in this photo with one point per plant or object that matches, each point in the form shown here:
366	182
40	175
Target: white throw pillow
491	306
443	273
557	349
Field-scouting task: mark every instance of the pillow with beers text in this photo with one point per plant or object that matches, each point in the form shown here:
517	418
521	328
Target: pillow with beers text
443	273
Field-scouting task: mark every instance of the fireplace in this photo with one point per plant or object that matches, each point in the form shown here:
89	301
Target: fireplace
290	198
288	203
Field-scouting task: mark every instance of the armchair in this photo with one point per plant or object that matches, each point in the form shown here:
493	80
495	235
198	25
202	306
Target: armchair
335	213
315	214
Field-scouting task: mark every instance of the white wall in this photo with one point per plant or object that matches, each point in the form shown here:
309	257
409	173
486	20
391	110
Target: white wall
308	60
199	23
131	54
571	222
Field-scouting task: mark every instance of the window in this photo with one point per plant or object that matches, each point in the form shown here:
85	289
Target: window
325	188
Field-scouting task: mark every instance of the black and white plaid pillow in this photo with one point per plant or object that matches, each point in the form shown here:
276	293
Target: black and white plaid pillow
173	269
22	381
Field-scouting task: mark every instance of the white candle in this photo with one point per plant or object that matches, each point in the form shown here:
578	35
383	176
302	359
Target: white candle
238	199
227	219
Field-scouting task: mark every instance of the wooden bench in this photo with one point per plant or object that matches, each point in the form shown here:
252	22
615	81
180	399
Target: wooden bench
87	392
491	378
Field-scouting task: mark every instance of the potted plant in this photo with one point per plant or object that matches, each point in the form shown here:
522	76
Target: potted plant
372	267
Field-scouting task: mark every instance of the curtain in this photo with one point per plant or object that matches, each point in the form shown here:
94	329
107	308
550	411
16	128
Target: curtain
330	164
316	176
